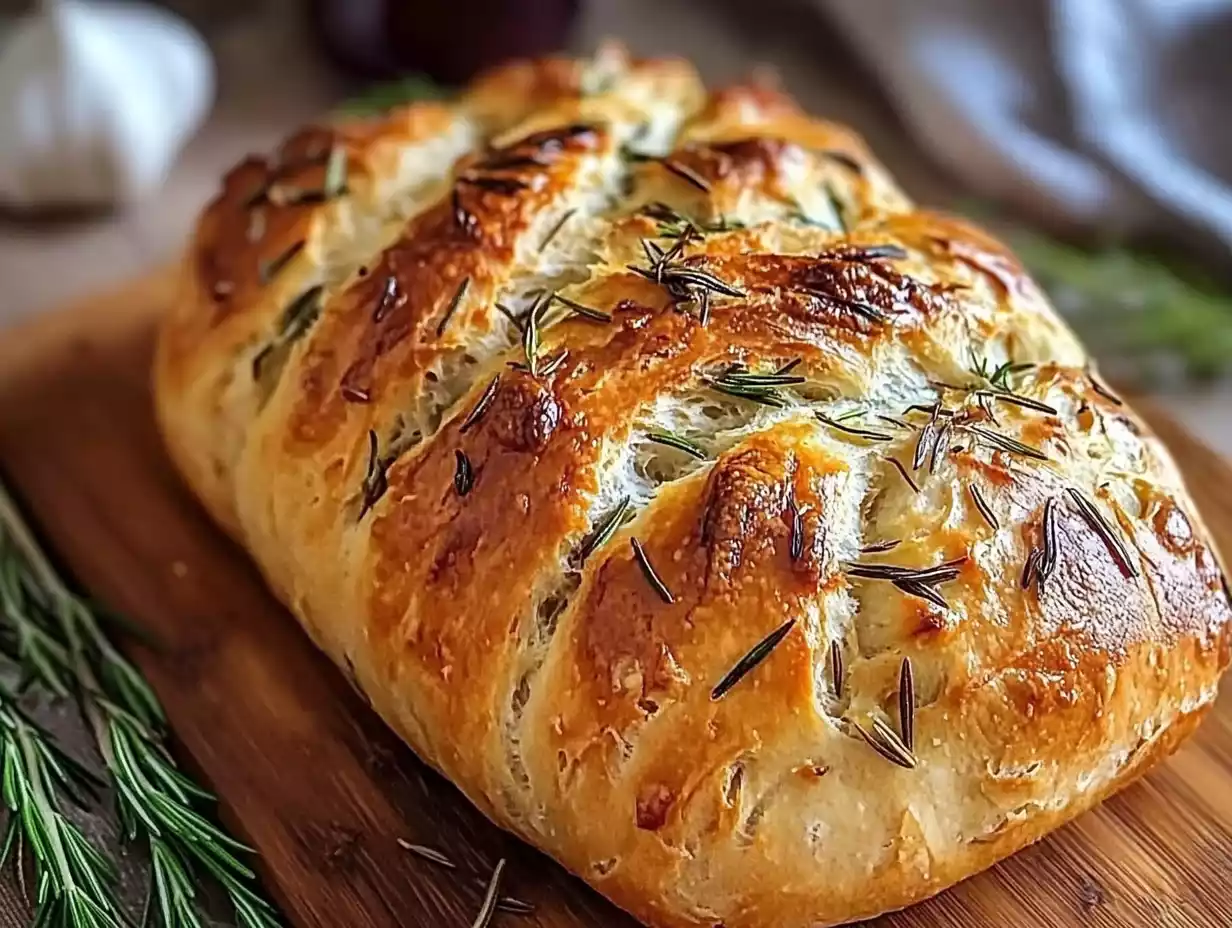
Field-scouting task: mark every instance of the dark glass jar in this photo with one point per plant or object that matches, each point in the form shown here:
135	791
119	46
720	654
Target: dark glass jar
448	40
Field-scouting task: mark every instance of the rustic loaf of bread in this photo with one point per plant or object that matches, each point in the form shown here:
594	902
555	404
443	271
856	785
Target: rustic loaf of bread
760	546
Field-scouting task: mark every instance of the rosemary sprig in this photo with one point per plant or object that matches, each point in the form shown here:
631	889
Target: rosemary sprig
684	283
157	804
76	884
751	660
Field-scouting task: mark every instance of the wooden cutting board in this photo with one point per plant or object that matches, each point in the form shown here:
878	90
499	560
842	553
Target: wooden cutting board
323	790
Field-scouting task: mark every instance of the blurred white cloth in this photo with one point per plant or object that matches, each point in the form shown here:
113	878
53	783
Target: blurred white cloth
1112	114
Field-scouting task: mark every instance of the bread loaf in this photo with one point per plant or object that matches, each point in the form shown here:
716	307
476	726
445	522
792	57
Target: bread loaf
759	545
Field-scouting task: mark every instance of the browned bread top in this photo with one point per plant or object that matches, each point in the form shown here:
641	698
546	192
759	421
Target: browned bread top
759	545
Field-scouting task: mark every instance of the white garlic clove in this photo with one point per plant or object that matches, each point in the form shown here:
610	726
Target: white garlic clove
96	102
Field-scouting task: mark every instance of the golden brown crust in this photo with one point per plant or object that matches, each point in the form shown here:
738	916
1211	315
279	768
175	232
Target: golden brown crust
792	567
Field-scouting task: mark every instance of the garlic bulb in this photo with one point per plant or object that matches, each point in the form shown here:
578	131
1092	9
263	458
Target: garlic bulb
96	100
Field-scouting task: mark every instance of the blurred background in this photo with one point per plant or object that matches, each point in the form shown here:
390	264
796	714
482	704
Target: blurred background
1088	132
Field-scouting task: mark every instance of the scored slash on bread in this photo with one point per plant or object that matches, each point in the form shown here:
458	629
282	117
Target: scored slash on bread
757	544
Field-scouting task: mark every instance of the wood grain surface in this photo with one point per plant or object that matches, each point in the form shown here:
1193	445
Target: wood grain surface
324	791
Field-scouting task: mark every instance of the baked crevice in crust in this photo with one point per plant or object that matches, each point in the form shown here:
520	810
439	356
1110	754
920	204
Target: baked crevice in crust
792	567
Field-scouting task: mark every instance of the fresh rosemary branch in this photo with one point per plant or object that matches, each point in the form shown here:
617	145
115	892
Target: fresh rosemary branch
1143	310
75	883
58	642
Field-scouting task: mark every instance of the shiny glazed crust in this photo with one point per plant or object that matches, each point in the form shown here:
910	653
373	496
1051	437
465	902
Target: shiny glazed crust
782	422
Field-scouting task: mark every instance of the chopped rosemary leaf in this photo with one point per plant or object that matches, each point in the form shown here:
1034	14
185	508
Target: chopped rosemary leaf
747	664
490	897
652	577
508	314
686	173
301	313
1050	549
1017	399
586	312
928	434
795	547
898	466
530	336
836	666
260	359
841	157
1098	386
452	308
851	429
605	529
335	172
463	474
1005	443
1107	533
886	742
267	270
897	423
764	395
481	406
548	369
906	703
982	505
915	581
375	484
1030	566
427	853
675	441
880	547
